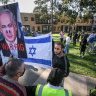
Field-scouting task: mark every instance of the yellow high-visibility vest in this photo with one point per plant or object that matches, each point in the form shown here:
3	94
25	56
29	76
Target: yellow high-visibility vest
93	91
47	91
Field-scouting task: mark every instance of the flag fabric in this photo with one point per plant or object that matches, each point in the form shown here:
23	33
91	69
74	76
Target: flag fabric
39	50
19	23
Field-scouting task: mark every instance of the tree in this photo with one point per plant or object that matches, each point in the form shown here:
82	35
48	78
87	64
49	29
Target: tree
6	1
78	8
69	8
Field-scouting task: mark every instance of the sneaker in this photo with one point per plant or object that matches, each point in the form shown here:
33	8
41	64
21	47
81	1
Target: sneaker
82	56
95	64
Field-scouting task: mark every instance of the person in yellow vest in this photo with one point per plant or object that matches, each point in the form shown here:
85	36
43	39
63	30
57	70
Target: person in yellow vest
93	92
52	88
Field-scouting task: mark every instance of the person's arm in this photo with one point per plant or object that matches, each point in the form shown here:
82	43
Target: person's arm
67	65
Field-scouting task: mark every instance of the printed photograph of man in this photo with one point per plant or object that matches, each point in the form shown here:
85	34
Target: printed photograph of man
11	44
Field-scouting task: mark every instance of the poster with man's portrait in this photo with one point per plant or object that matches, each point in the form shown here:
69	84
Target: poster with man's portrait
11	34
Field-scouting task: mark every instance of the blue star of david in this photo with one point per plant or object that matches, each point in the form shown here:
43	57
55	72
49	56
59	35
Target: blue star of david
32	50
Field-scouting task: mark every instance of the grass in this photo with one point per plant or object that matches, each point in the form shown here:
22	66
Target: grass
84	66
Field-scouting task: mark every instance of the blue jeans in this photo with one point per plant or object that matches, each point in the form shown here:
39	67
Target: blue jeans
67	49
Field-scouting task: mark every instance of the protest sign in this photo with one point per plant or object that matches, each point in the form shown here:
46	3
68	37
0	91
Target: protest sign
11	34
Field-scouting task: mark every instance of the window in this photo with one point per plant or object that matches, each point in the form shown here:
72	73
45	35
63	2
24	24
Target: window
26	28
33	28
45	28
90	21
94	17
54	28
37	20
58	28
78	21
32	19
58	20
38	28
62	21
25	18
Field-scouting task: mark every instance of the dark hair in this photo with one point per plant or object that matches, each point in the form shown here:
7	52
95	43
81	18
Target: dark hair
68	34
13	66
56	76
61	44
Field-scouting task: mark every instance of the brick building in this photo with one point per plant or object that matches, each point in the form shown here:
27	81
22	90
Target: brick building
32	22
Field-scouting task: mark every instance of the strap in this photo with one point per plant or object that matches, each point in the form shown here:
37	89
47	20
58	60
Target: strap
66	92
65	59
40	90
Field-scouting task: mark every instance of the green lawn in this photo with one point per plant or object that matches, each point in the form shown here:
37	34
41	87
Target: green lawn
84	66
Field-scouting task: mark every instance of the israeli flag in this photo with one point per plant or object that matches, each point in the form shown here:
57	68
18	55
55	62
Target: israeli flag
39	50
19	23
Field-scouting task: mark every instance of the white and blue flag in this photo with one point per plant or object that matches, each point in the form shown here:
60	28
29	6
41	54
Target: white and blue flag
39	50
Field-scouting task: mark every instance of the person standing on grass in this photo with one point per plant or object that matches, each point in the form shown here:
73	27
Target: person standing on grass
82	34
90	41
67	44
83	44
62	36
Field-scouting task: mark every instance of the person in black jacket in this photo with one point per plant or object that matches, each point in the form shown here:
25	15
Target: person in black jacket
83	44
60	59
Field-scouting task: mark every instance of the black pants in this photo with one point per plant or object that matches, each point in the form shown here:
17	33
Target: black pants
61	40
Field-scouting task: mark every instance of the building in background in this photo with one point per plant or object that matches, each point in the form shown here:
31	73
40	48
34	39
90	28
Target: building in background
32	23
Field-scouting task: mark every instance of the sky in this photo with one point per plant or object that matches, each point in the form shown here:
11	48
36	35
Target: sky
26	6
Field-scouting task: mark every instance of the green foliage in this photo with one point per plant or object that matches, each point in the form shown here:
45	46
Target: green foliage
87	16
36	10
71	21
81	8
72	9
45	9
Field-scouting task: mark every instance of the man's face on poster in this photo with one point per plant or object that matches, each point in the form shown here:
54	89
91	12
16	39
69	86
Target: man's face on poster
8	29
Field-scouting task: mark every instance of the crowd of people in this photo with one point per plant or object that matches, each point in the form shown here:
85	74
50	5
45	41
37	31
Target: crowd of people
15	68
87	41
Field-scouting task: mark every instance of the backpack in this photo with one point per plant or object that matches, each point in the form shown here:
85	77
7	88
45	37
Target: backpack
91	39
